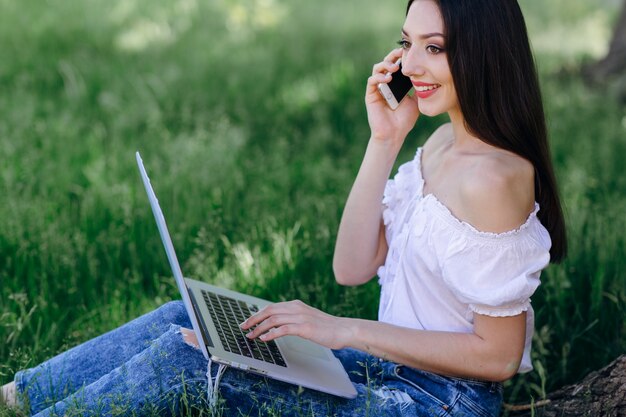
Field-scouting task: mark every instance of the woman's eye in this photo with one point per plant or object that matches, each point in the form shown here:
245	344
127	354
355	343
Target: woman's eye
404	44
432	49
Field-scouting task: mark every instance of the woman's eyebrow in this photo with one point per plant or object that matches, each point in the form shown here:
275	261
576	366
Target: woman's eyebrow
425	35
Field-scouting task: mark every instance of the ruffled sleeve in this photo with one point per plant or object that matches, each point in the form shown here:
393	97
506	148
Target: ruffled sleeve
496	274
399	193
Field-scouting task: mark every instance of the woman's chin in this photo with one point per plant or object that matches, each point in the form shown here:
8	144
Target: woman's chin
429	110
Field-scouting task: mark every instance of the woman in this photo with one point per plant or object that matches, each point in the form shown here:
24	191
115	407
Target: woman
458	244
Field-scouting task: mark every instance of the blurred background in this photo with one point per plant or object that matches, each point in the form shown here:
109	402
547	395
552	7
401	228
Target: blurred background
250	119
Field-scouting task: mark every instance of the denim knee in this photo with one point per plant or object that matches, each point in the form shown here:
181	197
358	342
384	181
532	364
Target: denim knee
174	312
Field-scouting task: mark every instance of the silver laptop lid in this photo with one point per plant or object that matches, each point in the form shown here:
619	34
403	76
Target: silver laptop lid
171	254
324	374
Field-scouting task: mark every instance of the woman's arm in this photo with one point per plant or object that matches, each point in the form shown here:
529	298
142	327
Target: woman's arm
361	246
492	352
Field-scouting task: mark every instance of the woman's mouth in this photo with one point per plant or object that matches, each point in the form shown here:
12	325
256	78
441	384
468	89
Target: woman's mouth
425	90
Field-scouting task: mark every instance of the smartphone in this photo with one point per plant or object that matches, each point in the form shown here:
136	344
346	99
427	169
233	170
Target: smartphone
396	89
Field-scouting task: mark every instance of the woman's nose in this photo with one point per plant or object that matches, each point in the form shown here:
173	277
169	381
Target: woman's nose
412	63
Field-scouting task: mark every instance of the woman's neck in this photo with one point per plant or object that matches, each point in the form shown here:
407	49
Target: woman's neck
463	139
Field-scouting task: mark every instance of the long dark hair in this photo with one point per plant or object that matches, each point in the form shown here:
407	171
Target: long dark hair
497	87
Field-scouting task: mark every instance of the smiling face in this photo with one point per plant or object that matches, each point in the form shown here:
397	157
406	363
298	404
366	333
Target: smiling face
425	61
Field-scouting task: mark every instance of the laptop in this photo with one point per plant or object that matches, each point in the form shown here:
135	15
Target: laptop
215	314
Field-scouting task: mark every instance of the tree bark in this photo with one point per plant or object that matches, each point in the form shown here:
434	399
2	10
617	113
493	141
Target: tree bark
600	394
614	63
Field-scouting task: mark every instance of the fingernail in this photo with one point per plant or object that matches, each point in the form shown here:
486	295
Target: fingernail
388	75
249	335
243	323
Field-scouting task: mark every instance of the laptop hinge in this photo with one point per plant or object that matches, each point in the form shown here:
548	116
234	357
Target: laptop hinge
205	333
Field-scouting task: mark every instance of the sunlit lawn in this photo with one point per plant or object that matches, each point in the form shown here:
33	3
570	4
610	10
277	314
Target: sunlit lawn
250	118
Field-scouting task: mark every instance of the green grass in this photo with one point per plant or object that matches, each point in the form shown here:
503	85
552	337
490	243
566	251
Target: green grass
250	118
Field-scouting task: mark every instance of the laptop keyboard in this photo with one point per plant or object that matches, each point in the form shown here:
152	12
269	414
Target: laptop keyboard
227	313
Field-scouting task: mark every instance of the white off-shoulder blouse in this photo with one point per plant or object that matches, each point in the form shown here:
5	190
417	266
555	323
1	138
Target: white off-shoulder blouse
439	270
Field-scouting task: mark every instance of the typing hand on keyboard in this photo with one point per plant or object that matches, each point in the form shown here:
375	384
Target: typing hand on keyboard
227	313
295	318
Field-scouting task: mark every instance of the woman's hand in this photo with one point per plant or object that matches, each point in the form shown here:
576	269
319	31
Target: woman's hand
387	124
298	319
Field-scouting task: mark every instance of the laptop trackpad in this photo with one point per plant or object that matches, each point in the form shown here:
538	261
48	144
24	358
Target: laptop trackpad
304	347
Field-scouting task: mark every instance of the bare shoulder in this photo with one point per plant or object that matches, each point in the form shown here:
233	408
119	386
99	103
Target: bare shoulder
498	192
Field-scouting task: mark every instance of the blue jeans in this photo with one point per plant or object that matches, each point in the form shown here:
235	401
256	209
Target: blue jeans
146	368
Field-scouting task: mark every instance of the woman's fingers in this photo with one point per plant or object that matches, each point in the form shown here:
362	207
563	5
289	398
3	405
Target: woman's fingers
277	325
273	309
295	318
385	67
276	320
394	55
285	330
388	65
381	73
374	80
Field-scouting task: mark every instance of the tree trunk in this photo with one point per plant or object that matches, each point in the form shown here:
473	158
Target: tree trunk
615	61
600	394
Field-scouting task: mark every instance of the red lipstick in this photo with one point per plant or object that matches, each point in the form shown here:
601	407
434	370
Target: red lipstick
425	90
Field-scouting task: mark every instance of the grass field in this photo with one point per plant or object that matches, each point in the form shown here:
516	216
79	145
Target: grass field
250	118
